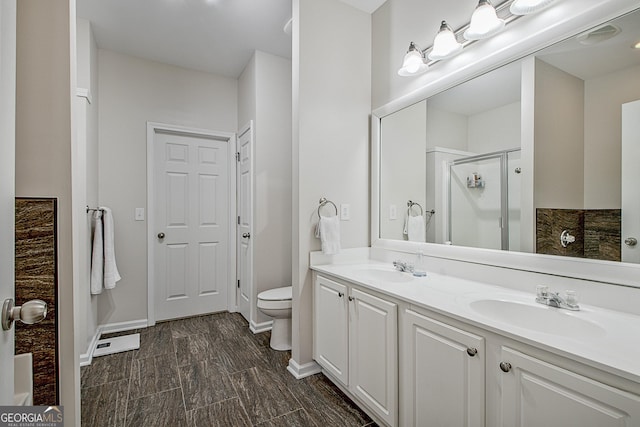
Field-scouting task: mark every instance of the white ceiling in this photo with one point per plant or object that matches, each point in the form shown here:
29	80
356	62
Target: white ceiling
216	36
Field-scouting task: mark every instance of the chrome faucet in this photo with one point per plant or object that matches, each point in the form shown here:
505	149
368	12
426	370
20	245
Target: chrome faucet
403	266
553	299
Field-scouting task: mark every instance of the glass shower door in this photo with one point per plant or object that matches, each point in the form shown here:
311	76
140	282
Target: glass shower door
476	203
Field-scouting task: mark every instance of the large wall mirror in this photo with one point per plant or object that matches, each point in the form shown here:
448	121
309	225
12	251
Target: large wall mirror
541	155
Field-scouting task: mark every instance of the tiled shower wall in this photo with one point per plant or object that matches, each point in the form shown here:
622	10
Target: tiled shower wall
36	278
597	232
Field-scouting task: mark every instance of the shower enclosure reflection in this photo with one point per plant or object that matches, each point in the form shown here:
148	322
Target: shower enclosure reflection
484	200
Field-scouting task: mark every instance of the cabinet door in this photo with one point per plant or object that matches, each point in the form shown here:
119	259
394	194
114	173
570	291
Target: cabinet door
373	351
331	328
537	393
442	374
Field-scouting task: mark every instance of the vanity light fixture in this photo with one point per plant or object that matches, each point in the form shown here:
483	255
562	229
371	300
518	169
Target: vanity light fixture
636	45
484	22
445	45
413	62
527	7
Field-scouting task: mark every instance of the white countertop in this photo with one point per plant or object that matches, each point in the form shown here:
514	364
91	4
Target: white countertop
605	339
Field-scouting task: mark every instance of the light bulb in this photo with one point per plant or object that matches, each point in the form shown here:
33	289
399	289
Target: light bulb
413	62
445	44
526	7
484	22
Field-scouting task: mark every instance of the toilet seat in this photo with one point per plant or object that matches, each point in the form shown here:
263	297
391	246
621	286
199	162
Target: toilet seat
276	299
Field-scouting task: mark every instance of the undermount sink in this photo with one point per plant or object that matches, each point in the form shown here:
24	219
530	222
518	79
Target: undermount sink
379	274
540	318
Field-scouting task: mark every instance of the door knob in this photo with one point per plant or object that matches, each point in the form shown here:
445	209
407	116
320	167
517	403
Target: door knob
246	235
630	241
160	235
31	312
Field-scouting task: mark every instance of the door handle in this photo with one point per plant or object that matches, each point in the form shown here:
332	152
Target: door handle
161	235
246	235
31	312
630	241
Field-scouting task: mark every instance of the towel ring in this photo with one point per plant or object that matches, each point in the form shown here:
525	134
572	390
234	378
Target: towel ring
411	204
323	201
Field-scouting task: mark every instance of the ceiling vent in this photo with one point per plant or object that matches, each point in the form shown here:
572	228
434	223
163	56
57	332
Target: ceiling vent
599	34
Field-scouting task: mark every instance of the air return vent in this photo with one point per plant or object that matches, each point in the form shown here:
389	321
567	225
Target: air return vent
599	34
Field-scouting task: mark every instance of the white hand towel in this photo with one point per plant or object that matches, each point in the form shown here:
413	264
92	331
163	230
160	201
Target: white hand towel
330	234
111	274
415	228
97	253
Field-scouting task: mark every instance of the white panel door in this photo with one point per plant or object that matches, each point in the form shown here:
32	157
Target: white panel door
245	298
442	373
191	214
373	344
331	328
536	393
7	186
630	180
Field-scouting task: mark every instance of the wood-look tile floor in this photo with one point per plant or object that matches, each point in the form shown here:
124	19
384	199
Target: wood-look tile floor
208	371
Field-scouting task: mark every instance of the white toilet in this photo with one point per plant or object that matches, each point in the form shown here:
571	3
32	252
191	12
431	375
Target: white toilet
276	303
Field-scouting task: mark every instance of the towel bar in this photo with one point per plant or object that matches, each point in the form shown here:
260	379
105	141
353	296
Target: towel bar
94	209
323	201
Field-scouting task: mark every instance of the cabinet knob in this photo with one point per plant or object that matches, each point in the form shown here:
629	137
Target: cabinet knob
340	294
505	366
472	351
351	298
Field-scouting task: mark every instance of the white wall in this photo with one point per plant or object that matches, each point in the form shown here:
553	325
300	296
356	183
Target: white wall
45	86
446	129
264	96
402	167
494	130
604	97
558	138
132	92
85	179
331	105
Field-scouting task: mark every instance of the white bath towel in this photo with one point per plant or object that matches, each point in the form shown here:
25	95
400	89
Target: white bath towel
111	274
414	228
329	228
97	253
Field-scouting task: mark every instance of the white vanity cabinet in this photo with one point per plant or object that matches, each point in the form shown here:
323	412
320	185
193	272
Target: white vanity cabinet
356	342
538	393
442	370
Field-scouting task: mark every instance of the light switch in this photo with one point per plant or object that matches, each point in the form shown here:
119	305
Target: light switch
139	214
393	212
345	212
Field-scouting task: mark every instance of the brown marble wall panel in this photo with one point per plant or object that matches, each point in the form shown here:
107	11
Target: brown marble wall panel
597	232
36	278
549	226
603	234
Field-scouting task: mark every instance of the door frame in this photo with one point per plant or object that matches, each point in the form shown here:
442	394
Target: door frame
247	128
230	138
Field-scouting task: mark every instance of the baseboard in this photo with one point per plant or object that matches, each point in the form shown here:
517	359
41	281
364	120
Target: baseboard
130	325
257	328
303	371
87	358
